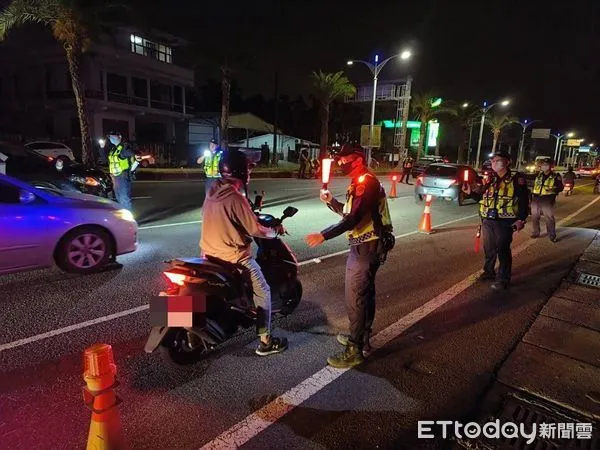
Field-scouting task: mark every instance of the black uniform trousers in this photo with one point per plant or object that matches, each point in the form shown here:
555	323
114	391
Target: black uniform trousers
497	237
361	268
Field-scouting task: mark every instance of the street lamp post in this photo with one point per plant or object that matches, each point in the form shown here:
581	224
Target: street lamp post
559	137
525	124
376	70
570	135
484	111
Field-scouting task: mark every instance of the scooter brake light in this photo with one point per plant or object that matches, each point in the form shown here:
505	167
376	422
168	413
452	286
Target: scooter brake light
175	278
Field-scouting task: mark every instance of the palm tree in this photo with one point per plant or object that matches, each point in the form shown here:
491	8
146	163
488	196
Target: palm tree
497	123
329	87
72	24
422	108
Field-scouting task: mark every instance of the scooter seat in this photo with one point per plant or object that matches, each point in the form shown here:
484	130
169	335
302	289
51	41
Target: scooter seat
202	264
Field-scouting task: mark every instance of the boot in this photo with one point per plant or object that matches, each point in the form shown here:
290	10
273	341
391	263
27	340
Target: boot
350	357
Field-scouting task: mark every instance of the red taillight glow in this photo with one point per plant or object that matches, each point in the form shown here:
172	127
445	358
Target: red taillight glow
466	176
175	278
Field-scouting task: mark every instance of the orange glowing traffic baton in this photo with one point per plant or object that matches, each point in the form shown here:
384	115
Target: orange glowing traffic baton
325	171
478	239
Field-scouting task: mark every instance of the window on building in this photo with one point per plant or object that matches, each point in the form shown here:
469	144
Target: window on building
146	47
116	84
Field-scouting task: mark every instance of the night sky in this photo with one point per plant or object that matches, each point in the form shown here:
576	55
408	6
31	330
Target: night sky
544	56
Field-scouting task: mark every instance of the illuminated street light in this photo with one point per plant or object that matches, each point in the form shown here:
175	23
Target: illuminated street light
465	105
376	70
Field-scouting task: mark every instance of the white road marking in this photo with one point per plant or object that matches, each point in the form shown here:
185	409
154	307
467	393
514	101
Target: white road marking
139	198
165	225
77	326
252	425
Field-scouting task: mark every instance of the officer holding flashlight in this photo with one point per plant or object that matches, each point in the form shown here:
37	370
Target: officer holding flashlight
503	207
211	159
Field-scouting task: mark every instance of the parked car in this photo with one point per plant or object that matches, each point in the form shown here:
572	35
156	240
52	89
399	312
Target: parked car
80	233
444	180
42	171
52	150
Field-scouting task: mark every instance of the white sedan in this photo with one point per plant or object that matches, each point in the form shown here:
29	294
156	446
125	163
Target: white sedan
80	233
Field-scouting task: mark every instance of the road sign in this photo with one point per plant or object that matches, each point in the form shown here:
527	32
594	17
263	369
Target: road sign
364	136
540	133
573	142
584	149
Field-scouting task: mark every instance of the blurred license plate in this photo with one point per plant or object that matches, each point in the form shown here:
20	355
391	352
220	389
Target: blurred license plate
433	191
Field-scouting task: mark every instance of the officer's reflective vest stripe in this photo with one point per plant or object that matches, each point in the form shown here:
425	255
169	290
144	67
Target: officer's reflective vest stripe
364	231
500	195
211	165
117	165
544	187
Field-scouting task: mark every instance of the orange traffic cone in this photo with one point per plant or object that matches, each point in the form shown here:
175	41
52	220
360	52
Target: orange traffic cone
393	193
99	395
425	225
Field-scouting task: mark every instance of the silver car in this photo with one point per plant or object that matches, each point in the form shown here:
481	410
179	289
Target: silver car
444	180
80	233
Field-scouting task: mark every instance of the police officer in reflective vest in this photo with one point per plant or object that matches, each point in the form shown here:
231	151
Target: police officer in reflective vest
211	160
366	219
503	207
548	184
120	161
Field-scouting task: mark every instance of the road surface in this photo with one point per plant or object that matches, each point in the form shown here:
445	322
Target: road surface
441	335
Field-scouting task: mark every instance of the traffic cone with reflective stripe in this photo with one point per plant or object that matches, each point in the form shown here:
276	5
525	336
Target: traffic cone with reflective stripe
425	225
99	395
393	193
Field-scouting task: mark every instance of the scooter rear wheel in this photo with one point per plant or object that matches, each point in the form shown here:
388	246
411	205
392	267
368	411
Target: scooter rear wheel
177	350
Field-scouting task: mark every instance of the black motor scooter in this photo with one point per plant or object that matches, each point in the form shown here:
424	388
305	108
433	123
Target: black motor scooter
228	295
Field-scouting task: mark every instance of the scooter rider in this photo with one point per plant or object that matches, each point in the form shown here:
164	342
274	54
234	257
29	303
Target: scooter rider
569	176
227	230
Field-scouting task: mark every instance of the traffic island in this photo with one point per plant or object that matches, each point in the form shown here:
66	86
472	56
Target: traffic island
552	378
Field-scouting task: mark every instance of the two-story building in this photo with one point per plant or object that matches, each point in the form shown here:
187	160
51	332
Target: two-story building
131	81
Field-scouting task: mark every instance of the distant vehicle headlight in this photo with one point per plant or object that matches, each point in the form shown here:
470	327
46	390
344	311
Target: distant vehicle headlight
124	214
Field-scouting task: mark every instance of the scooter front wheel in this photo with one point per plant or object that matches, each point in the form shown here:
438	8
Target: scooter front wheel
291	294
181	348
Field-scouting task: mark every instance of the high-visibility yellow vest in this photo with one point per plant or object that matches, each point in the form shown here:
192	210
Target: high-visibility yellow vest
364	231
501	196
211	165
117	165
544	187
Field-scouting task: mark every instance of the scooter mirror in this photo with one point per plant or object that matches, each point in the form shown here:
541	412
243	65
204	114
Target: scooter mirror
290	211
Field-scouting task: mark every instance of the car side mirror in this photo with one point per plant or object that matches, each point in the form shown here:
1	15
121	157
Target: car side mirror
290	211
26	197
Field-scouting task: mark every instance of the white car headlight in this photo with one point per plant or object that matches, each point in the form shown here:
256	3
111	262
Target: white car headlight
124	214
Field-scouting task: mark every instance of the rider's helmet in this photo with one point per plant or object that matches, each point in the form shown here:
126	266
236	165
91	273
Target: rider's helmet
234	164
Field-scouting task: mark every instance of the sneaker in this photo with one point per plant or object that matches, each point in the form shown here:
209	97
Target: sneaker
486	276
553	239
275	345
344	340
350	357
499	285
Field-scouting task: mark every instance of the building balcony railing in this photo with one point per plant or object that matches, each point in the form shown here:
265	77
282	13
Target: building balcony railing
120	98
